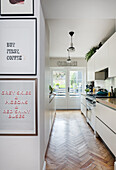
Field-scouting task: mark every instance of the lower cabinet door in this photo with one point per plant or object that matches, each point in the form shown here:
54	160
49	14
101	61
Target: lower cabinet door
83	109
108	136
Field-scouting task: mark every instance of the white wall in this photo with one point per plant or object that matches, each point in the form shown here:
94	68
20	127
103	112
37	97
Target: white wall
81	62
42	87
19	152
106	83
27	152
47	82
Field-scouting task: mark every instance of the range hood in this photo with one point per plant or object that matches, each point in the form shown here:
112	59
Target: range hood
102	74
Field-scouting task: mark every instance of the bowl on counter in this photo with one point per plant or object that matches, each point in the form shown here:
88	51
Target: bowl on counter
101	93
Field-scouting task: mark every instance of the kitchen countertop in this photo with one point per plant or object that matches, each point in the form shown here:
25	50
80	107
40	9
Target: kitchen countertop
109	102
84	94
96	96
105	100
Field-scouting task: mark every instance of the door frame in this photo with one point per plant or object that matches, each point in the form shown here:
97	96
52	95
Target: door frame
62	102
74	102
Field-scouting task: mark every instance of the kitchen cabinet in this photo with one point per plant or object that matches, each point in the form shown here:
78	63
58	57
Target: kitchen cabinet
112	55
91	110
105	57
106	126
52	110
83	109
83	104
90	69
91	117
107	136
101	58
107	114
98	62
83	99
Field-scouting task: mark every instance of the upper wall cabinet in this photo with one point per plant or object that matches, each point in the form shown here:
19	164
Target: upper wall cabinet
90	69
97	62
101	58
112	55
105	57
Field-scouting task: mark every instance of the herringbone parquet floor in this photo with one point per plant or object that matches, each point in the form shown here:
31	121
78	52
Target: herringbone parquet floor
73	145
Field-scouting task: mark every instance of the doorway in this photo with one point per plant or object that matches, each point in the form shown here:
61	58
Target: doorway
68	84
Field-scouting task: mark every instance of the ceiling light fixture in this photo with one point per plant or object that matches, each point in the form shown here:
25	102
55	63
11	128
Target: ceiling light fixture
68	59
71	48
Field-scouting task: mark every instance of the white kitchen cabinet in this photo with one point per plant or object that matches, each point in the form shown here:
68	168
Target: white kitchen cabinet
91	69
106	126
112	55
83	104
101	58
106	114
83	109
105	57
83	99
52	111
91	117
107	135
98	62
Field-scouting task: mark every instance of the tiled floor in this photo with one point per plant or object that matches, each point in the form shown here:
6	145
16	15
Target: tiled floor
73	145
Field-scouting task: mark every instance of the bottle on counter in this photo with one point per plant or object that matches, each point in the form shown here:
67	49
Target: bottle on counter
109	94
93	90
112	93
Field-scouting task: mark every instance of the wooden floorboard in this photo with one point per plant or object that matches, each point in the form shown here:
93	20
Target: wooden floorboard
73	145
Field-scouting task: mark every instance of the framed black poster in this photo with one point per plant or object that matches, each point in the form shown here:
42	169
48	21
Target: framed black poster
17	7
18	46
18	106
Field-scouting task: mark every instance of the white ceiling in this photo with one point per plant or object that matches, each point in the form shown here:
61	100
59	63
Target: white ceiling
91	20
88	33
71	9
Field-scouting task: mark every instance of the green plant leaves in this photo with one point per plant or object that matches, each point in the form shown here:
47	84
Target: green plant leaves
92	51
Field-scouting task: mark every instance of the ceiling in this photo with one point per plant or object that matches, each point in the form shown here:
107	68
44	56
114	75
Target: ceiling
88	33
73	9
92	21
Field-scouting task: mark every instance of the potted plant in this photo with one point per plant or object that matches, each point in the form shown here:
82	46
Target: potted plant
87	90
51	89
92	51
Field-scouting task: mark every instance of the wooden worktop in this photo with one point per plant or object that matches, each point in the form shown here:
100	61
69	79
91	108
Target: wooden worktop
109	102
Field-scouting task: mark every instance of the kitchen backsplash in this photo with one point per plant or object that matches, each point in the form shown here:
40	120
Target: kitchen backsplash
106	83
